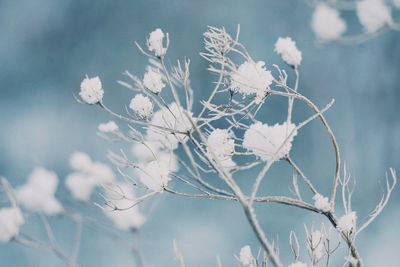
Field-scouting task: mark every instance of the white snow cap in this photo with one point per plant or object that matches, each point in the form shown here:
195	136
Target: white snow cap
88	175
79	161
155	43
373	14
91	90
108	127
223	145
321	202
251	78
142	106
347	222
173	118
10	221
37	194
266	141
155	174
153	80
327	23
128	215
246	257
286	47
298	264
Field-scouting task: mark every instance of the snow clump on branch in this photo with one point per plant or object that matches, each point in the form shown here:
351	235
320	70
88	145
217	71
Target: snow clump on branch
270	143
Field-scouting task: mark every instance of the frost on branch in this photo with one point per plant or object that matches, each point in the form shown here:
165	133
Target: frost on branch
172	118
125	215
298	264
155	43
321	202
286	47
153	80
246	258
87	176
155	174
142	106
37	194
347	222
373	14
10	220
270	143
327	23
108	127
91	90
174	145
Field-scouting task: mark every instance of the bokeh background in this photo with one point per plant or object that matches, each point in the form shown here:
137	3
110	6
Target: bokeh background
47	46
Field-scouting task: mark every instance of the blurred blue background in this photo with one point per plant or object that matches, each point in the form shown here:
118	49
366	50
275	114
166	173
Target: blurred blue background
47	47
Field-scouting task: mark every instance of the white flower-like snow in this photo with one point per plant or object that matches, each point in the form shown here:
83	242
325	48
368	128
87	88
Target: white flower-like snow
37	194
172	118
127	216
321	202
298	264
373	14
142	106
270	143
80	161
155	174
286	47
108	127
221	142
88	175
246	257
153	80
251	78
91	90
10	221
347	222
327	23
155	43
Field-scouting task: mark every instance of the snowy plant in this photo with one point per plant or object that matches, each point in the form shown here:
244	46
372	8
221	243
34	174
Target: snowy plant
175	128
374	16
287	48
174	138
176	143
91	90
142	106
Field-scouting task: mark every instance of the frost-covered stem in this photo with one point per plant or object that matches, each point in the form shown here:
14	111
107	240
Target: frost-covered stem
37	245
9	191
135	251
299	172
77	238
330	133
272	199
350	242
197	175
248	210
171	86
214	91
54	246
291	99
